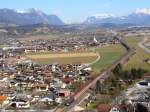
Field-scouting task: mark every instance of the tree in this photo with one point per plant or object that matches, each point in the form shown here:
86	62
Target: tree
140	73
54	98
118	69
98	87
134	73
32	66
141	108
123	75
114	84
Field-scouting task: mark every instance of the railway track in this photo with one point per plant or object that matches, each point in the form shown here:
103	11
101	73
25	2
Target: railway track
104	75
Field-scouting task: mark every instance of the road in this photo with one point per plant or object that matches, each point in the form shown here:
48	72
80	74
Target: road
127	92
141	45
92	63
98	58
104	75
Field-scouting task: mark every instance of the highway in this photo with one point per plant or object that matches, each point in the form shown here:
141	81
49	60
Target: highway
104	75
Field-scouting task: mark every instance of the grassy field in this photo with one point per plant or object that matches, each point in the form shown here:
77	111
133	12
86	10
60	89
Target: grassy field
64	58
40	36
2	45
108	54
148	41
137	60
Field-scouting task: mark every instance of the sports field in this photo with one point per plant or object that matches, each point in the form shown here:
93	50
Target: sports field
64	58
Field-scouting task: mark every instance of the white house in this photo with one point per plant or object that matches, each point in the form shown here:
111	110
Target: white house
114	109
20	104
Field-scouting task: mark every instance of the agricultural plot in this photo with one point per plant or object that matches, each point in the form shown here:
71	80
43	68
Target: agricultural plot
63	58
137	61
40	36
2	45
109	54
147	42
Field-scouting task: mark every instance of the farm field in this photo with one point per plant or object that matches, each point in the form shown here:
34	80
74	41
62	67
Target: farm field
2	45
148	41
39	36
63	58
109	54
137	60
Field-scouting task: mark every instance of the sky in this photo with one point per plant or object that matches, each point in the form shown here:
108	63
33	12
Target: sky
74	11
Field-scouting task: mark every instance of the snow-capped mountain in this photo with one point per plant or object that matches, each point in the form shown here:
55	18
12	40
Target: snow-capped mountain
145	11
27	17
139	17
103	16
27	11
94	18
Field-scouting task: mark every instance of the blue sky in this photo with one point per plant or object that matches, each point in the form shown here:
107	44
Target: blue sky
77	10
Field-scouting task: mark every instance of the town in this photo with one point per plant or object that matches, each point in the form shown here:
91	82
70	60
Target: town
28	84
74	56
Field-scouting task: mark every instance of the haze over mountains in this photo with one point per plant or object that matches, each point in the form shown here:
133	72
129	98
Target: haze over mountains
27	17
33	16
139	17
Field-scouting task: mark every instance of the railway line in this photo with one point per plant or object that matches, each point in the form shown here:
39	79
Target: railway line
103	76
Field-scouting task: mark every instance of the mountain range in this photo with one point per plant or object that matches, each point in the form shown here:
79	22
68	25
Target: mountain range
139	17
27	17
10	17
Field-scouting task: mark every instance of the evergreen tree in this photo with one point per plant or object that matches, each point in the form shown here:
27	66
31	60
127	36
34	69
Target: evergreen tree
134	73
140	73
32	66
98	87
141	108
118	69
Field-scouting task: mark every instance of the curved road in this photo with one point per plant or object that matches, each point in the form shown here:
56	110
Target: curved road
98	58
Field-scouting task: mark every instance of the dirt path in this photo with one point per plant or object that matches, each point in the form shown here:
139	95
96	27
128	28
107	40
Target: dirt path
98	58
141	45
